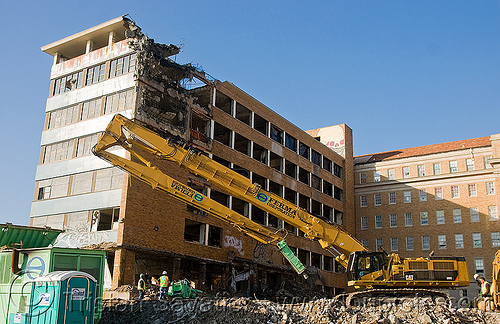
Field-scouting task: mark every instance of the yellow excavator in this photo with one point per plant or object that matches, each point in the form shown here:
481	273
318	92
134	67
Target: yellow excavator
490	304
371	272
495	285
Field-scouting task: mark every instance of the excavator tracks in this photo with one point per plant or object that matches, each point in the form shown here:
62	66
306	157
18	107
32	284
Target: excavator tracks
396	296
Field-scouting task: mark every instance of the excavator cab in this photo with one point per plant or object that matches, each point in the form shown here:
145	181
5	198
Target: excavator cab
362	263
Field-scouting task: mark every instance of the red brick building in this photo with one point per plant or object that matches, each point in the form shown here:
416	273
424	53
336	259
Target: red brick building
443	198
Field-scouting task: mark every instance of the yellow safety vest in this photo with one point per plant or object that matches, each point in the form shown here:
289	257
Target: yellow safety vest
163	281
141	284
485	289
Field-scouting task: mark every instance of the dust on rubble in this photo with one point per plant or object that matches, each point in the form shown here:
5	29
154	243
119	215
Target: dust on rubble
318	311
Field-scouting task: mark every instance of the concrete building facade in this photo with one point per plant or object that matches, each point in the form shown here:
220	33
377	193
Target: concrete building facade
443	198
114	68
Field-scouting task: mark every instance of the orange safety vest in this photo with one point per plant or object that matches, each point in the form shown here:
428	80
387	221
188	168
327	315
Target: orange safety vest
163	281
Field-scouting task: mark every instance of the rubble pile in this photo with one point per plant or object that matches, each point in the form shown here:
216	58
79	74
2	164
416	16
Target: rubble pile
245	310
290	288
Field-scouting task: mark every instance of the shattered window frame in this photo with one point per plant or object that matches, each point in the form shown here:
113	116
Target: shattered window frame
290	142
338	193
290	169
305	202
316	157
68	82
224	102
222	134
44	193
290	195
220	197
328	212
276	162
338	171
96	74
194	231
260	124
199	128
260	153
304	176
276	134
214	236
106	218
327	164
64	116
123	65
243	114
242	144
327	188
316	182
316	208
304	150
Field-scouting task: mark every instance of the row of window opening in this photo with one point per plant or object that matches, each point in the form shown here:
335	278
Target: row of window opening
436	169
94	74
441	241
422	194
260	124
424	218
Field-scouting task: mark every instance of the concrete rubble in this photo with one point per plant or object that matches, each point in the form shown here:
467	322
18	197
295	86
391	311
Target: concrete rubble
288	310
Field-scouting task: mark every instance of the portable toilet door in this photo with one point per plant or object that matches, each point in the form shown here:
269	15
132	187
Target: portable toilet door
63	297
80	298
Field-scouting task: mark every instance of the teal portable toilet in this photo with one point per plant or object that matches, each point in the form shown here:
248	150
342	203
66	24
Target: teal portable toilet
63	297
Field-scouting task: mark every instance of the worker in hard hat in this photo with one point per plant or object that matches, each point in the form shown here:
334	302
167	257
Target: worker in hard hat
141	286
164	285
483	284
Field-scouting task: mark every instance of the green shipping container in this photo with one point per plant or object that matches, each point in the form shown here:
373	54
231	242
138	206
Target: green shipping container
15	289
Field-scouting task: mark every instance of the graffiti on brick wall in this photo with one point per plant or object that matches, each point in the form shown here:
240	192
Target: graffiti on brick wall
233	242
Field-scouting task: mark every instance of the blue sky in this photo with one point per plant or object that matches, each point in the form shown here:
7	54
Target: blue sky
399	73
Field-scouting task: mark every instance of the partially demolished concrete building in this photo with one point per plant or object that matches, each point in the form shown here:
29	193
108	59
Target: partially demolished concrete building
114	68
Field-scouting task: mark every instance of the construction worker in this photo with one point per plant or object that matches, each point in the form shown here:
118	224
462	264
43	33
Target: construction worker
163	285
483	284
141	286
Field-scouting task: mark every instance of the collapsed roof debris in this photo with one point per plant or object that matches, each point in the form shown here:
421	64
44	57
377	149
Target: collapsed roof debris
164	102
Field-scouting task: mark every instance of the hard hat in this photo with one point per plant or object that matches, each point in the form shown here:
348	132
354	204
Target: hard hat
141	276
476	276
164	272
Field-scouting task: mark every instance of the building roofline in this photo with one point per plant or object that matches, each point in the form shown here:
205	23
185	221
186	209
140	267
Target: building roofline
424	150
101	30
